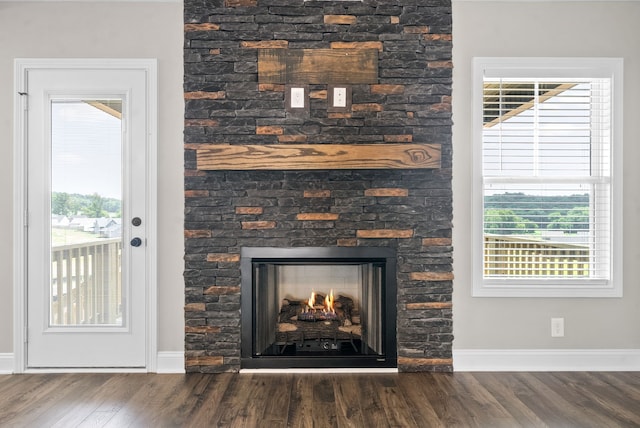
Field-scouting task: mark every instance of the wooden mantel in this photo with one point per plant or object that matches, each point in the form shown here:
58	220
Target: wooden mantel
317	156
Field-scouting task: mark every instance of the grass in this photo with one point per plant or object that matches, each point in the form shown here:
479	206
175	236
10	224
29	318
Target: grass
70	237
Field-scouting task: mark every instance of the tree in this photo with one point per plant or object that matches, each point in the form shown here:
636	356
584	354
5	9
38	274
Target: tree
95	208
61	204
536	207
112	206
574	220
506	222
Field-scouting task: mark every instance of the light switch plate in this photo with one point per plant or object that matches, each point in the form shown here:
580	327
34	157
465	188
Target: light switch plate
297	98
339	98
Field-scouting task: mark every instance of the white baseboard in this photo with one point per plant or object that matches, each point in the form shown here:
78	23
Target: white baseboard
6	363
170	362
529	360
167	362
473	360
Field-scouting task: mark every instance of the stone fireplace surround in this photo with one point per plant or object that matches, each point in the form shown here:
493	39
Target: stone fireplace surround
407	210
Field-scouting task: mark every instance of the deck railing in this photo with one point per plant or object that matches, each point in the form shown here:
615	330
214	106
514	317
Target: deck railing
86	285
517	256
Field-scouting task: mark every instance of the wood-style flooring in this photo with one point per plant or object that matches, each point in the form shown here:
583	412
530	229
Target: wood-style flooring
575	399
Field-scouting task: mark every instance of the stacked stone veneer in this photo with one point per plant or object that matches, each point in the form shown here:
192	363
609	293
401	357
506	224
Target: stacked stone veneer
409	210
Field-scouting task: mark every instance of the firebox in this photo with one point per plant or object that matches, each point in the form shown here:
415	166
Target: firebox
318	307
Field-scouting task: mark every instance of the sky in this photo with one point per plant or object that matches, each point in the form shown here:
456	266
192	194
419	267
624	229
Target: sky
86	150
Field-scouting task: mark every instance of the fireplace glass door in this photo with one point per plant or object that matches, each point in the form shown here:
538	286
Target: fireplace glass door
319	313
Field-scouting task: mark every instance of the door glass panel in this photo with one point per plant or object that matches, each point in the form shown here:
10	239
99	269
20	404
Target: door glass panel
86	213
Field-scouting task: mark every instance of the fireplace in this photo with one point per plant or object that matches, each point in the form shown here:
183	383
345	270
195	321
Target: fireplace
314	307
353	176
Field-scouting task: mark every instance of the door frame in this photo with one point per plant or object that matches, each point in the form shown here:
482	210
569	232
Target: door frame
20	214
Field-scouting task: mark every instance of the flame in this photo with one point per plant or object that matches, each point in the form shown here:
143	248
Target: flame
312	299
328	302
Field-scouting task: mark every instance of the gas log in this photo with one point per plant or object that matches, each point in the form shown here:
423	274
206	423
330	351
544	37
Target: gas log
298	320
291	309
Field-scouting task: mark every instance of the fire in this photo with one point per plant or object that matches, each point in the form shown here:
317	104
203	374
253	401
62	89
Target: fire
311	300
322	312
328	303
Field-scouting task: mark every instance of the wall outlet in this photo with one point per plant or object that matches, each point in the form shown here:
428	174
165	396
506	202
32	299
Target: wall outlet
557	327
340	97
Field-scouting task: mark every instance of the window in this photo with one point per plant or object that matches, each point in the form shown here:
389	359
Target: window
547	177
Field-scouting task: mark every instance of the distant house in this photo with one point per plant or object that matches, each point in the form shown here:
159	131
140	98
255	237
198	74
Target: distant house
103	227
83	223
60	221
109	227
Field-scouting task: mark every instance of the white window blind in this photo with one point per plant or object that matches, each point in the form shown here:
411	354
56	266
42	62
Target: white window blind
546	180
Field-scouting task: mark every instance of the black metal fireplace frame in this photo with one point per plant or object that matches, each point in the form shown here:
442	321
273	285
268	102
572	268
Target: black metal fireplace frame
250	255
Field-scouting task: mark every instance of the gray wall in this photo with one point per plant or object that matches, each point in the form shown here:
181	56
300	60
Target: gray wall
101	30
73	29
588	29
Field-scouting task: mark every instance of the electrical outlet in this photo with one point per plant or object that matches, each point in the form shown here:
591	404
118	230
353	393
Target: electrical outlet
339	97
557	327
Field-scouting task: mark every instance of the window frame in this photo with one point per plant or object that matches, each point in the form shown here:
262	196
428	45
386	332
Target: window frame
540	68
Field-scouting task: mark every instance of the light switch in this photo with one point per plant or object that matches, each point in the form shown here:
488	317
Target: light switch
297	97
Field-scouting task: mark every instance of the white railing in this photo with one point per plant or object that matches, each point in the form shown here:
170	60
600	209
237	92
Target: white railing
86	284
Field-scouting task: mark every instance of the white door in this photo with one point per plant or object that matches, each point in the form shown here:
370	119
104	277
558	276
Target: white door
87	216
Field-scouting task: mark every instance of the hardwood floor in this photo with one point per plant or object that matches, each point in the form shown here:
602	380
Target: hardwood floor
576	399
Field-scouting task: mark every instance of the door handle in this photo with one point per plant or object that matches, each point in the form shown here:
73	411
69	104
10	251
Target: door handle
136	242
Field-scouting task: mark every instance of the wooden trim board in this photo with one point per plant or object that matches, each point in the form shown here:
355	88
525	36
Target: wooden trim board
317	156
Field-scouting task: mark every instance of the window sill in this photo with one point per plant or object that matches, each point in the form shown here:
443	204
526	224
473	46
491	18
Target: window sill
576	289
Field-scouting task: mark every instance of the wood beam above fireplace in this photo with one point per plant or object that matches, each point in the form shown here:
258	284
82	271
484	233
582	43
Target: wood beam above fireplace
318	156
318	66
